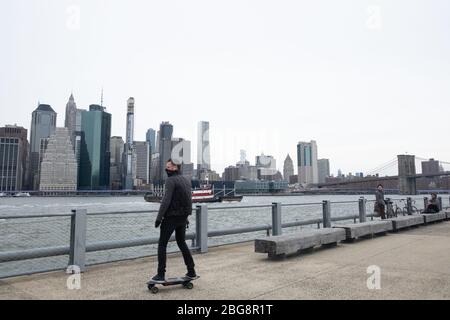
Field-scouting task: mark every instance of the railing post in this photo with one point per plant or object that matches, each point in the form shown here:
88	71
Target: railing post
276	219
201	231
425	203
78	224
409	207
362	209
440	203
326	208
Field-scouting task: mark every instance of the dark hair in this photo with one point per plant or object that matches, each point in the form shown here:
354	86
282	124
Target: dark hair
434	194
175	164
380	185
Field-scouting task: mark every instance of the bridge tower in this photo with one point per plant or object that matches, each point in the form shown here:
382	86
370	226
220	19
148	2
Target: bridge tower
407	174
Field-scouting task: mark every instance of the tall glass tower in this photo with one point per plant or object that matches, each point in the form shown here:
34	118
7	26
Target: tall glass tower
95	149
43	125
129	152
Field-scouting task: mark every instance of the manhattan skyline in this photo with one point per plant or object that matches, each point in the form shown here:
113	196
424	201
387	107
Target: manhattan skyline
359	77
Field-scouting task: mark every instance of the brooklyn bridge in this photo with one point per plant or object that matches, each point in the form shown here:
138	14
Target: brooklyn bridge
408	181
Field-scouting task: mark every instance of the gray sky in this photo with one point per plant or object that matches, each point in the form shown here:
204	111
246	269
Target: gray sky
366	79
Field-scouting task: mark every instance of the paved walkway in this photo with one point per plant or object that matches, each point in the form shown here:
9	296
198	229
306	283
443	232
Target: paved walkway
415	264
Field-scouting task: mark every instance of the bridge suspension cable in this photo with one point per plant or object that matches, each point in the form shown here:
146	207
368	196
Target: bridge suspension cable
384	166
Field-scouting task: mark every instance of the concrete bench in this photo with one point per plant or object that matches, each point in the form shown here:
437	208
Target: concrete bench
447	213
434	217
406	222
280	246
357	230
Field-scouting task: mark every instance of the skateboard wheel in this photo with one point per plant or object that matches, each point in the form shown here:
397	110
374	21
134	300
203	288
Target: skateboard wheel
154	290
189	285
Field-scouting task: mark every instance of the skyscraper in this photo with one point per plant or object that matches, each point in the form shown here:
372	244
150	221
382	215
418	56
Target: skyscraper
164	150
95	149
142	161
181	154
43	125
59	165
203	147
13	158
116	147
151	139
129	152
323	166
288	168
307	163
71	119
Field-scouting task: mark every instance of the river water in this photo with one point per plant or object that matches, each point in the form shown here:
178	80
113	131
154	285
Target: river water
23	234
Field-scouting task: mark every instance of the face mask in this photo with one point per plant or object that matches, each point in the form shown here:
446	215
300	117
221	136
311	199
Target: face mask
170	173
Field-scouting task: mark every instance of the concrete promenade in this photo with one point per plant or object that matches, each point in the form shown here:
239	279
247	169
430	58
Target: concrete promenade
415	264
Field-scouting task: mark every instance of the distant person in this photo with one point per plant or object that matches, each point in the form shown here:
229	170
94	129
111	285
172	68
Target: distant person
173	214
433	204
380	203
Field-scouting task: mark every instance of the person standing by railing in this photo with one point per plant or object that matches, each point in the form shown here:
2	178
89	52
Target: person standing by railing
175	208
380	203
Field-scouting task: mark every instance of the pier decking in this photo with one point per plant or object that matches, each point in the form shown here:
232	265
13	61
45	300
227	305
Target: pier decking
415	264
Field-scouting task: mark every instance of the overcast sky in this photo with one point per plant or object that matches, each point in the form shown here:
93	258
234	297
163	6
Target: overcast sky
366	79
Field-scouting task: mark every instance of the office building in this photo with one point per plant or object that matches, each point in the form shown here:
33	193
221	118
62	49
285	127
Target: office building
95	155
59	165
13	158
116	146
307	163
203	147
323	167
288	168
43	125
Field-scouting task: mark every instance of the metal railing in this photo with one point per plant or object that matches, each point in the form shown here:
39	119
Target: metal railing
77	248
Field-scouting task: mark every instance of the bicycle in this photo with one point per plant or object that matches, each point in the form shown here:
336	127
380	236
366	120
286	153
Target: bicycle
394	210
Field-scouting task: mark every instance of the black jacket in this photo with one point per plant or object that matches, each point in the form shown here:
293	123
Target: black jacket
177	200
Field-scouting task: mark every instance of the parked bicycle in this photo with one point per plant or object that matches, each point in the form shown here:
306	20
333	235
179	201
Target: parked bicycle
394	210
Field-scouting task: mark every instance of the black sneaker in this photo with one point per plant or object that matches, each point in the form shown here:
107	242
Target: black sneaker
159	279
191	275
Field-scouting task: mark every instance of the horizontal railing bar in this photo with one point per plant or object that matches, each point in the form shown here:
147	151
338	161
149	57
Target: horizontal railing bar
120	244
240	207
224	232
32	216
301	223
342	202
34	254
120	212
301	204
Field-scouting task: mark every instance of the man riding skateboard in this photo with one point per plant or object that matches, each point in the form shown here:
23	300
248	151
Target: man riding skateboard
173	214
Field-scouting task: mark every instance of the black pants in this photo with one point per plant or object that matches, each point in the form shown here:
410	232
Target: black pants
432	208
168	226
